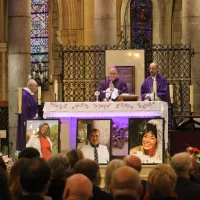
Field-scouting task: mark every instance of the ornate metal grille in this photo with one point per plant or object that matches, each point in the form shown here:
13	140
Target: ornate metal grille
84	68
4	118
140	23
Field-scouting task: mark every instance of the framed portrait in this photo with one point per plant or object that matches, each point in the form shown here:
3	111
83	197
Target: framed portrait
127	73
146	139
44	135
92	135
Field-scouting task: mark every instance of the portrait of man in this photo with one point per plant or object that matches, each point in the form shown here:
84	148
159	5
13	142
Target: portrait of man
146	139
93	141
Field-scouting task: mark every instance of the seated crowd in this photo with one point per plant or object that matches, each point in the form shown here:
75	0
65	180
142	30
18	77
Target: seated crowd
70	176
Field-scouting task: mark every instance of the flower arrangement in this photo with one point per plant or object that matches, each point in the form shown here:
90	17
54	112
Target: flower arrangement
193	151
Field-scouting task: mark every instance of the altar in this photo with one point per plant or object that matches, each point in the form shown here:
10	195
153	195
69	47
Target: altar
70	112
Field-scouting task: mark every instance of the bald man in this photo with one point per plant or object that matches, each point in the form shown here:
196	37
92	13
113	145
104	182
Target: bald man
112	87
29	111
126	184
135	163
78	187
161	91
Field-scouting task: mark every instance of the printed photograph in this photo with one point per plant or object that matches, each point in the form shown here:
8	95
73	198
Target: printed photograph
93	139
146	139
44	135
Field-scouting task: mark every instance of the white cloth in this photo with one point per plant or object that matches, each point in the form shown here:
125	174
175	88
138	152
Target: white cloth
34	141
155	86
152	97
102	150
28	90
112	94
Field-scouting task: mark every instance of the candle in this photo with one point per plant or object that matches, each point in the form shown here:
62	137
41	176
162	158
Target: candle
34	74
192	97
19	100
39	95
56	90
171	93
29	77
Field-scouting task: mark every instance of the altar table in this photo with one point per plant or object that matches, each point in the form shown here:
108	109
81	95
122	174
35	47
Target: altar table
71	111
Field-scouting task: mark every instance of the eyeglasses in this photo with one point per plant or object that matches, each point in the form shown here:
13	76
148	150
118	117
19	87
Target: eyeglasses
112	73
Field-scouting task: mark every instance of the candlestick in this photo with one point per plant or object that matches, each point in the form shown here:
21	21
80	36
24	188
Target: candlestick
192	97
39	95
171	93
19	100
56	90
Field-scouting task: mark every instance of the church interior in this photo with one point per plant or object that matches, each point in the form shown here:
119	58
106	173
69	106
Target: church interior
67	46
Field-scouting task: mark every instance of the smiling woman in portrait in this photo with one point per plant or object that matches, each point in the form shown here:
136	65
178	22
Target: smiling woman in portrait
41	141
148	150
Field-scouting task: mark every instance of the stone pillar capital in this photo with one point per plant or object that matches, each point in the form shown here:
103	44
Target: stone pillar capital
3	47
67	37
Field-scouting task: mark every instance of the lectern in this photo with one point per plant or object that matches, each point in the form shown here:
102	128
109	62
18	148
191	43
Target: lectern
128	97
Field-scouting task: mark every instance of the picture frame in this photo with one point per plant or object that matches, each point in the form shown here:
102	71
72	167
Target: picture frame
83	140
51	142
127	73
146	139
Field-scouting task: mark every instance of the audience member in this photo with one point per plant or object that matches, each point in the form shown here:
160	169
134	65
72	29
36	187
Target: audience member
126	184
4	188
60	167
29	152
78	187
34	179
111	167
161	183
135	163
3	164
185	189
194	177
91	169
74	155
15	187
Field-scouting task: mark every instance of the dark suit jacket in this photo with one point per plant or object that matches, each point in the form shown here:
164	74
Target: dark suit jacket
31	197
99	194
186	190
56	189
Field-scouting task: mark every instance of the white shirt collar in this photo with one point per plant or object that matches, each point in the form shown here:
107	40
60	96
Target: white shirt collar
28	90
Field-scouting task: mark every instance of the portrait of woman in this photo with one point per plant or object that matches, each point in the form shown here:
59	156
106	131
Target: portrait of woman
150	148
41	141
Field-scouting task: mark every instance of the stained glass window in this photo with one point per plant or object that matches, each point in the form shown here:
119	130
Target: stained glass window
39	42
141	23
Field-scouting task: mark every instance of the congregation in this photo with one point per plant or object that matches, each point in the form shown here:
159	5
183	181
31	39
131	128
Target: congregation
70	176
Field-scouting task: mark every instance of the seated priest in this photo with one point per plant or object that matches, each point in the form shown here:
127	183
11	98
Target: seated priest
155	86
112	87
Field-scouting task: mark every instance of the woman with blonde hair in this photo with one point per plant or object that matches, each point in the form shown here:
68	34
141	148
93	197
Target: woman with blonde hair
111	167
74	155
161	183
41	141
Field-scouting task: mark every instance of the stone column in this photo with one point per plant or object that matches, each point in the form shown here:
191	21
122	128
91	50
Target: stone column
158	21
19	49
190	34
104	22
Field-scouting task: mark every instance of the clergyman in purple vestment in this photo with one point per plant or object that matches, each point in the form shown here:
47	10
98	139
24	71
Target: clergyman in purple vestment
112	87
29	111
161	91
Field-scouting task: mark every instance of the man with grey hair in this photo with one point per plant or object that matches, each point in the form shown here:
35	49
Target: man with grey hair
29	111
126	184
155	86
60	168
185	189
